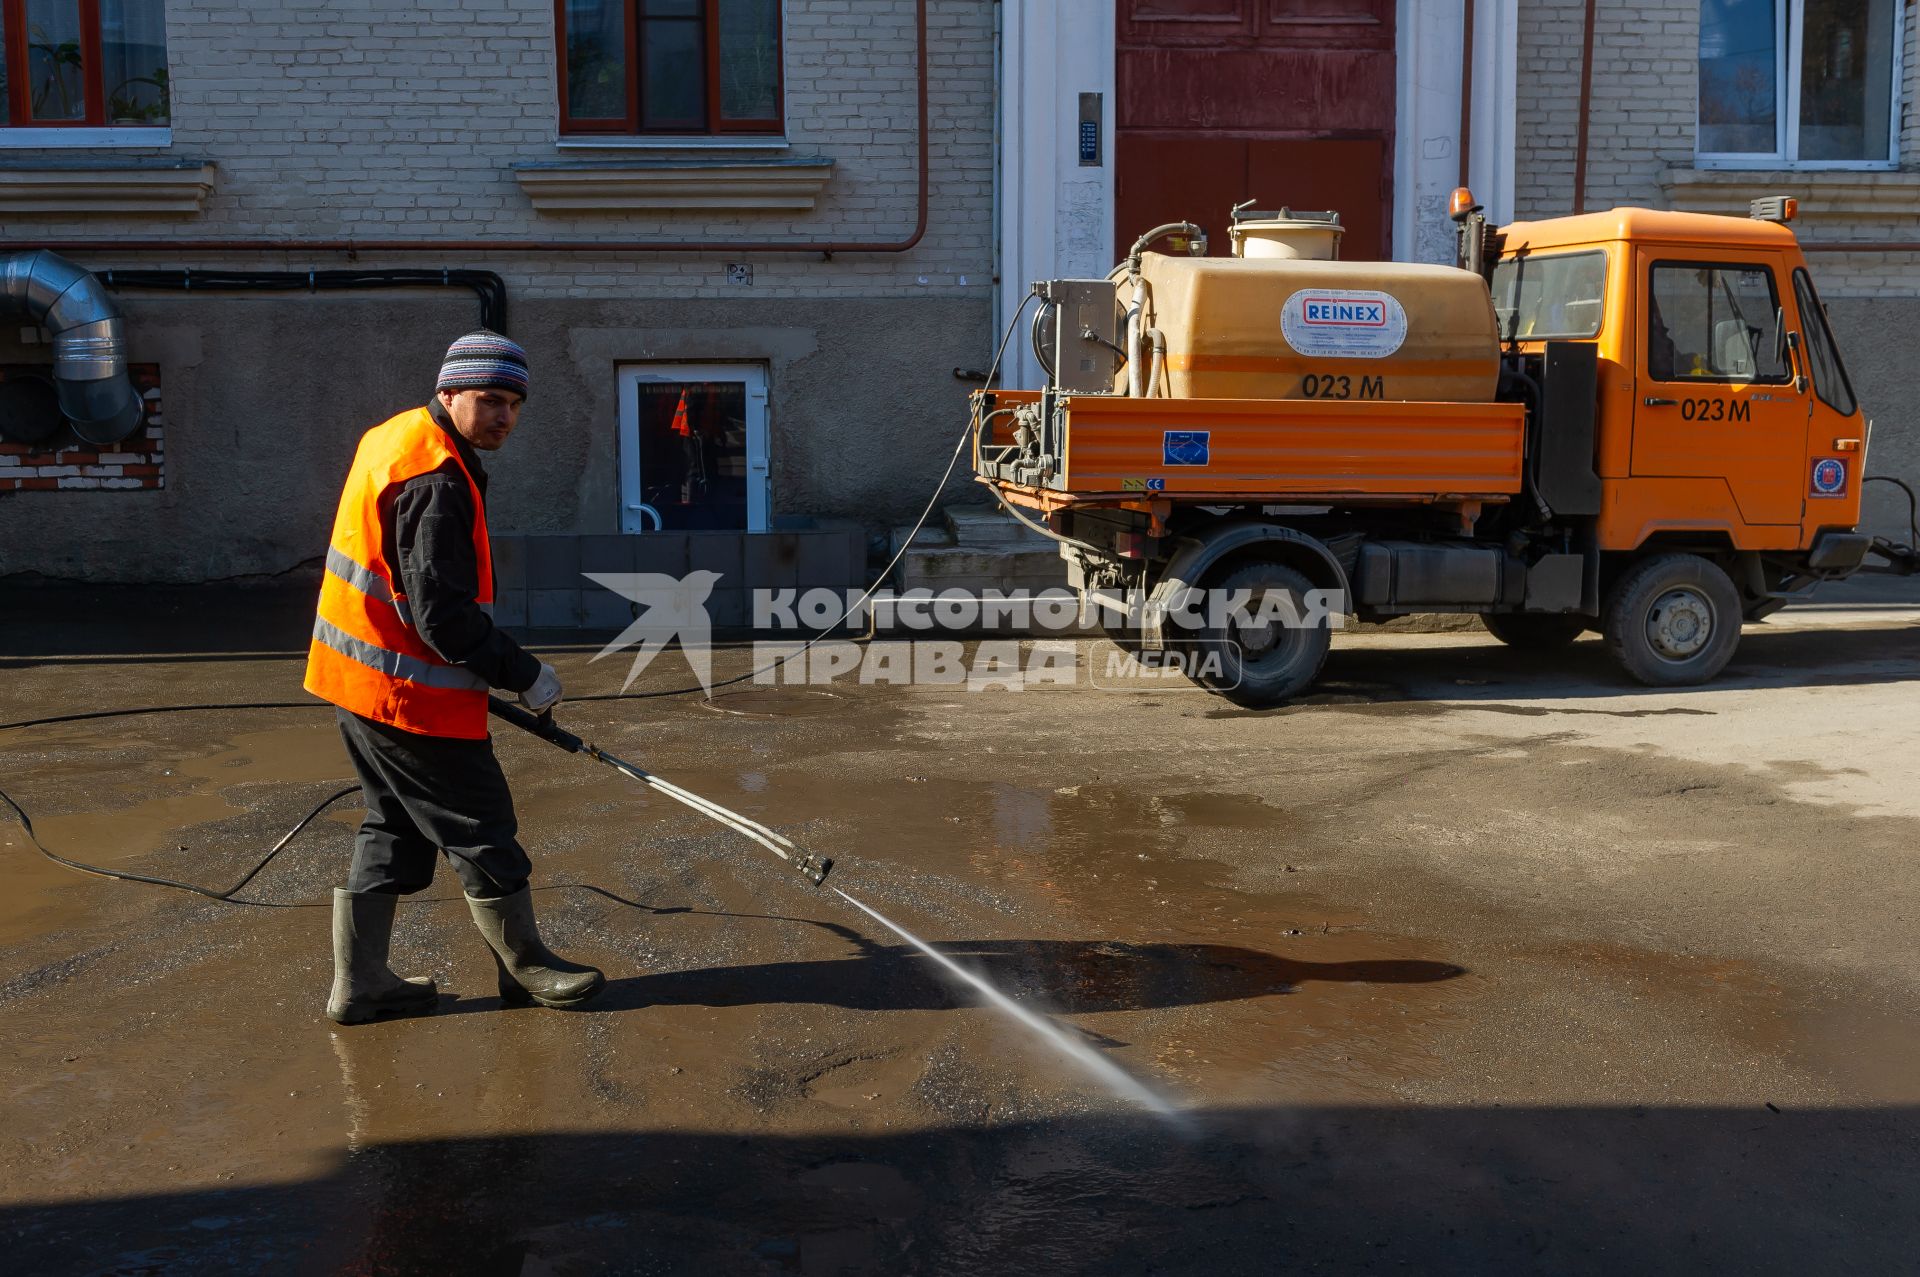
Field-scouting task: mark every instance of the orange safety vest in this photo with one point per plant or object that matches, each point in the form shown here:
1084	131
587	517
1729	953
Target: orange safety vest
366	656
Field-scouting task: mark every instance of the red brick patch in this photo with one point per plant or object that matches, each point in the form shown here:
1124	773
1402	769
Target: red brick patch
135	464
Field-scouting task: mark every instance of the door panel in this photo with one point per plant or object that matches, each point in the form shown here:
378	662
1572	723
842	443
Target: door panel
1304	92
1716	398
1349	23
1343	174
1290	102
1164	22
1178	177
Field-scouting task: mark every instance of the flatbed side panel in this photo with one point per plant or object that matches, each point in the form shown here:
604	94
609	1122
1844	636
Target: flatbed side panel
1265	447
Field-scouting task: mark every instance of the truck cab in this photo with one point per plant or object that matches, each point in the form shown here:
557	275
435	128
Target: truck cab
1723	414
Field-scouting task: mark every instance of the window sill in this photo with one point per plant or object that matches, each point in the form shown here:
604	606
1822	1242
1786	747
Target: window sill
1825	195
656	142
141	136
104	185
783	183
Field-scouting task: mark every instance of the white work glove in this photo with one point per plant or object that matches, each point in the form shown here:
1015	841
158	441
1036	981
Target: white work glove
545	692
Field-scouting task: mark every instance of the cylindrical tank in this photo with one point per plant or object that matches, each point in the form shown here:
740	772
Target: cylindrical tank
1282	328
1306	238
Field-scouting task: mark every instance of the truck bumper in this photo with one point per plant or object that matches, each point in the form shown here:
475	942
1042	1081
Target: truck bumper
1838	551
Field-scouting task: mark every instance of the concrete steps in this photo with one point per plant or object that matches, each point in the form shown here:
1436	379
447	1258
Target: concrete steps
976	549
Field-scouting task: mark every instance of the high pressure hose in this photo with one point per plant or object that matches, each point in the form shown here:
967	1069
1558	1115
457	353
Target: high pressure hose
1912	547
226	897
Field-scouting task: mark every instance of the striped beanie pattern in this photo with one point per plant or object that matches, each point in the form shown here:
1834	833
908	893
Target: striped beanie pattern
484	360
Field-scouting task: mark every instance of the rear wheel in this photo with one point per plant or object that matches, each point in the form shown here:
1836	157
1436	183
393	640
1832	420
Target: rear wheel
1535	631
1257	658
1673	620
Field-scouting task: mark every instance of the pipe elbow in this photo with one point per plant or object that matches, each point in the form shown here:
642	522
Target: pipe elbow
89	341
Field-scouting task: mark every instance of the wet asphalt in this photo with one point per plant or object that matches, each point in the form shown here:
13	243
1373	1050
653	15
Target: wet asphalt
1472	962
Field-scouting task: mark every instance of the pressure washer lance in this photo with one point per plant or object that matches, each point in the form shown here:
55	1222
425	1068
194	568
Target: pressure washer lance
814	868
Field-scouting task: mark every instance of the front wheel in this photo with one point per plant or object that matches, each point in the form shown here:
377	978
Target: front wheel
1271	650
1673	620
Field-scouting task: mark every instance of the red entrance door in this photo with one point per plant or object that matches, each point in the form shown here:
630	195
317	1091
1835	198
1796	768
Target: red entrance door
1286	102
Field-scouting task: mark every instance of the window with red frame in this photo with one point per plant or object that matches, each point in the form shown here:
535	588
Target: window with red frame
669	66
83	63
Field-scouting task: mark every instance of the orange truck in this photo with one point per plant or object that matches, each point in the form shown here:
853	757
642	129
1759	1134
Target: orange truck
1635	422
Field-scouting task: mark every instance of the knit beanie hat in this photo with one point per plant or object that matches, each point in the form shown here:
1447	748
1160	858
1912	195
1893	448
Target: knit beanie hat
484	360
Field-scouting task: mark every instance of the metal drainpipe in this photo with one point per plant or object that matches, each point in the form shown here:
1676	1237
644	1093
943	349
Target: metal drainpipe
999	154
89	341
351	246
1586	108
1466	94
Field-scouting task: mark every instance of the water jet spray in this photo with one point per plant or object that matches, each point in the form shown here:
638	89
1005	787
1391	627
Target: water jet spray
814	869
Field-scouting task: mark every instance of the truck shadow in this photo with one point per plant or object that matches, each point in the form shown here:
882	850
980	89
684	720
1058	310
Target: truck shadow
1069	977
1257	1189
1481	668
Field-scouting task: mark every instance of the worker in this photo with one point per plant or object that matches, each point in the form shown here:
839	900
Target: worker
405	647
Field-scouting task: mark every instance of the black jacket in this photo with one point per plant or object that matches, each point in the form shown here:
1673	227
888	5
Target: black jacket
430	552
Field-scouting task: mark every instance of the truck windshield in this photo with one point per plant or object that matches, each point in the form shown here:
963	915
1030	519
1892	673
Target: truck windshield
1560	295
1829	376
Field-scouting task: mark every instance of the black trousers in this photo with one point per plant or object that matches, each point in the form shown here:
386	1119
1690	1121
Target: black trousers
425	795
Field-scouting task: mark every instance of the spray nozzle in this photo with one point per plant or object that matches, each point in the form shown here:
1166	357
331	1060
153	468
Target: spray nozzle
816	868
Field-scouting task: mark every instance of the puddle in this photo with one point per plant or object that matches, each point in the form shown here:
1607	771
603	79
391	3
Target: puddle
117	811
110	836
305	754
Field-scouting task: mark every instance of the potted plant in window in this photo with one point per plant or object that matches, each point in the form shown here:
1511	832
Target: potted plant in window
125	105
62	63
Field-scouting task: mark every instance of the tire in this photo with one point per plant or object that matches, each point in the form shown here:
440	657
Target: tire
1536	631
1673	620
1265	667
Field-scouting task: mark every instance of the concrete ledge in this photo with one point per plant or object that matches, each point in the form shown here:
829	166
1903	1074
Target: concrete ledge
785	183
106	186
1825	195
540	580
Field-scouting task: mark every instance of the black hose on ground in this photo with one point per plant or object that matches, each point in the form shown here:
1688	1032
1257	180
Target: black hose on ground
154	880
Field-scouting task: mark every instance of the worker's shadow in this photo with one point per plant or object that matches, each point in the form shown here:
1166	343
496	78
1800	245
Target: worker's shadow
1065	976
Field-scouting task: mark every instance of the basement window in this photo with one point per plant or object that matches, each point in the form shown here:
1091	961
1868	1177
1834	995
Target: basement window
1799	83
75	68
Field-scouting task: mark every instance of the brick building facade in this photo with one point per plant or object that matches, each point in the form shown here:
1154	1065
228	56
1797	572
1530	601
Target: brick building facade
822	381
364	121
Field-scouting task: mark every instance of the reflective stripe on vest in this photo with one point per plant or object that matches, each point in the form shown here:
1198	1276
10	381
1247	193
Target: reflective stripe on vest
393	664
367	656
369	583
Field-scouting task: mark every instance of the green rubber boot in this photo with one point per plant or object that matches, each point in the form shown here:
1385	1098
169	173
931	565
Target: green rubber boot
528	970
364	988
